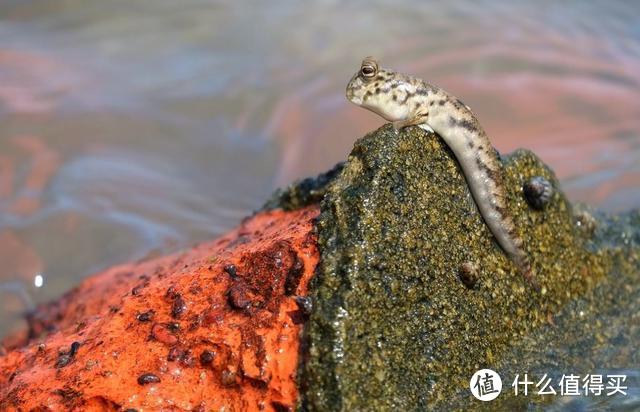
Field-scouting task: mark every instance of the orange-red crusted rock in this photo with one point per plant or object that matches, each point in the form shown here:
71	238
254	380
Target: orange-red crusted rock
216	326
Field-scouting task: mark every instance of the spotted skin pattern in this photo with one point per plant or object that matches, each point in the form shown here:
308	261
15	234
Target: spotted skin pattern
409	101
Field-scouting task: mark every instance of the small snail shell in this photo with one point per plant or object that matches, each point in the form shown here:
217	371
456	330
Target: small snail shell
538	192
468	273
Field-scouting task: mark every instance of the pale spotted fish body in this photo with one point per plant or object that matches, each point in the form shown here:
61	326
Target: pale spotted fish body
407	101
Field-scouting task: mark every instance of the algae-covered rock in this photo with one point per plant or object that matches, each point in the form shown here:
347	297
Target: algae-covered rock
413	294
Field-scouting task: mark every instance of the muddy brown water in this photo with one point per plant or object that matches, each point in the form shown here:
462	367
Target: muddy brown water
133	129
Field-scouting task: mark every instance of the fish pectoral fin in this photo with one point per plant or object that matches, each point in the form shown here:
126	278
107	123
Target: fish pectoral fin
416	120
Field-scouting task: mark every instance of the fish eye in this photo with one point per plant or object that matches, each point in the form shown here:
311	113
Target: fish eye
368	71
368	68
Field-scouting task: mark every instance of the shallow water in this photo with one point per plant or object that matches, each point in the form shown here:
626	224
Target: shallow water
130	129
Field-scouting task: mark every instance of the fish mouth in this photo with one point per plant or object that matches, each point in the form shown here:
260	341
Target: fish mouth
356	100
353	98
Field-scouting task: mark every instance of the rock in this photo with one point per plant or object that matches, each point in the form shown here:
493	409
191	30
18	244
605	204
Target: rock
130	338
394	325
411	296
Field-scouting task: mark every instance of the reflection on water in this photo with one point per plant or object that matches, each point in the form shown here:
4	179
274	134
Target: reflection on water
132	129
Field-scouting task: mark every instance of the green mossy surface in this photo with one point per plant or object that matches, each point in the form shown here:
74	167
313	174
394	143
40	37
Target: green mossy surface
395	328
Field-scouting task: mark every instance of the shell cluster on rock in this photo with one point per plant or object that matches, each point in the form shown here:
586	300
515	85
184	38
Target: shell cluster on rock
538	191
